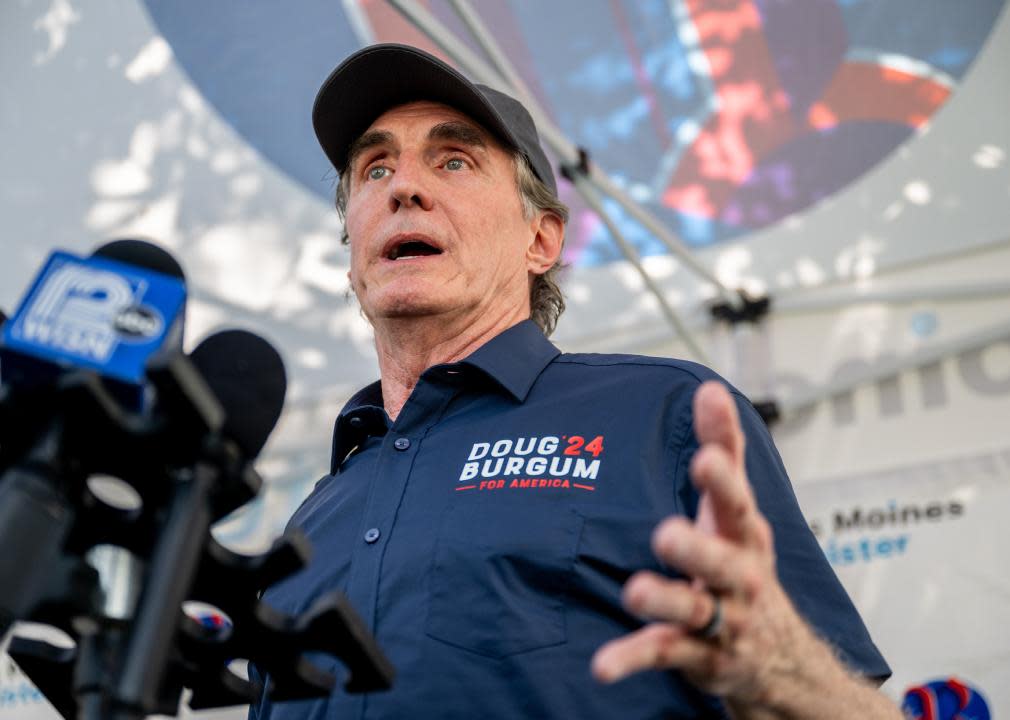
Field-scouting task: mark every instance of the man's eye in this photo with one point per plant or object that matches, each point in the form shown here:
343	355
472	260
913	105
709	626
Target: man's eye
455	164
377	173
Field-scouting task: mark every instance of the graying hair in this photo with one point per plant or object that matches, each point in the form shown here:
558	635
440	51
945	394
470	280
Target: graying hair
546	300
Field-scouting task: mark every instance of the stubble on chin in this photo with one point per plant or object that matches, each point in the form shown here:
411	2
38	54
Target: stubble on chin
404	305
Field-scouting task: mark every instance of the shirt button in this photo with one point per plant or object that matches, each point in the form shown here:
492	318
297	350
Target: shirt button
401	443
371	535
356	422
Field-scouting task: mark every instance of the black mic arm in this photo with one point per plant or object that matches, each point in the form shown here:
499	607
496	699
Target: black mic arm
135	662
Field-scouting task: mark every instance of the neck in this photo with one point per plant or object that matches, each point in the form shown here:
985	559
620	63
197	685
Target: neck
408	346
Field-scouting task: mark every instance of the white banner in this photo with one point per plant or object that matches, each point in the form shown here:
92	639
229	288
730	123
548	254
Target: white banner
922	551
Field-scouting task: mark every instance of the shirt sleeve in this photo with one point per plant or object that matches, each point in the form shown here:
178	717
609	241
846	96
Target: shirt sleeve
803	569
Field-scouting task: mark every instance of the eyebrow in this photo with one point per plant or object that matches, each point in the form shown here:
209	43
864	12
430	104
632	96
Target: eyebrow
459	132
451	130
369	140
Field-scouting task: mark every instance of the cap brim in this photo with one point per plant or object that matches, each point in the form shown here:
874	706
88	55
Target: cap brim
381	77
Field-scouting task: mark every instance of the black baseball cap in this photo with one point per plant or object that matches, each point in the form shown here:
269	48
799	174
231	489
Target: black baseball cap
380	77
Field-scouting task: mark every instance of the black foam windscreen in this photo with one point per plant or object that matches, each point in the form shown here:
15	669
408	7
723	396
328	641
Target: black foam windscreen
247	375
3	317
142	254
147	255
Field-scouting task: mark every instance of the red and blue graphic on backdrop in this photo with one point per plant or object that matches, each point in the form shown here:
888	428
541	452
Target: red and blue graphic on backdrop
722	116
948	699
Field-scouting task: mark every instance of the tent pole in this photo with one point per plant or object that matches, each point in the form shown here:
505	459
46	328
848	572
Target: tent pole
491	48
851	296
592	198
551	134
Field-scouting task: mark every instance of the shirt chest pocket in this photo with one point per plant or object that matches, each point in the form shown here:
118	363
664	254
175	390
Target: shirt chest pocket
498	577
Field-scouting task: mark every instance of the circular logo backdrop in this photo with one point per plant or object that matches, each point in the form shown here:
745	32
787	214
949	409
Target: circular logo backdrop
721	116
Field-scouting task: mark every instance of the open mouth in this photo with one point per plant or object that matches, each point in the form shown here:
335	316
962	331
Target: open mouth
412	249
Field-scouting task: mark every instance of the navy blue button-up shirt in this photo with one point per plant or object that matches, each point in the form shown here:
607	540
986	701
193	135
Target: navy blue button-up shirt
484	536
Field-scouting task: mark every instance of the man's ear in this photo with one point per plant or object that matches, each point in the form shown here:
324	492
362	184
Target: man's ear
545	246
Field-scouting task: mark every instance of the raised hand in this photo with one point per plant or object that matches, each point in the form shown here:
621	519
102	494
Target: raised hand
731	629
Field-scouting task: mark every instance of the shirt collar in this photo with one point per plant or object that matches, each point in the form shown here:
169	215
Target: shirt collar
514	359
368	395
362	417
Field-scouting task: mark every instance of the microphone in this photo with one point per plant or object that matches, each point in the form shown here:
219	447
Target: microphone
141	253
110	313
189	458
247	376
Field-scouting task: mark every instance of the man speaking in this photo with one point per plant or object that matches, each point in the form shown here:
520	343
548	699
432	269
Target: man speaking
532	534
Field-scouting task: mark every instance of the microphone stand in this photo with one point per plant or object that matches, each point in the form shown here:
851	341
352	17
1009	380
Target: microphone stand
122	576
173	567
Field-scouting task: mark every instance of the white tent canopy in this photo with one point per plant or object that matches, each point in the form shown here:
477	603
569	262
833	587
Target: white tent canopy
887	345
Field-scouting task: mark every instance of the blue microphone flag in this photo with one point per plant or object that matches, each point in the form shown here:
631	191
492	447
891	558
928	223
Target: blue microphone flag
94	314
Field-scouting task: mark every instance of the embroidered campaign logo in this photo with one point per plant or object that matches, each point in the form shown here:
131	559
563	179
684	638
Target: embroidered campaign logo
948	699
563	462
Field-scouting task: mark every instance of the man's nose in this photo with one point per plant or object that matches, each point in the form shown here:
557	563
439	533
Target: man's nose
408	186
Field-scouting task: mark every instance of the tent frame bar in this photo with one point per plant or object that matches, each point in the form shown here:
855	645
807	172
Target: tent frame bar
822	301
568	152
595	202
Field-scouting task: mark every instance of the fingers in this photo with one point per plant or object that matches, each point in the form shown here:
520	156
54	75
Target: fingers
727	550
715	561
718	470
716	420
669	644
658	646
727	497
655	597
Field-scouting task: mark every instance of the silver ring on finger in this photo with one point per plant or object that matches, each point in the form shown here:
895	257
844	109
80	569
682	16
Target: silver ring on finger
711	629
